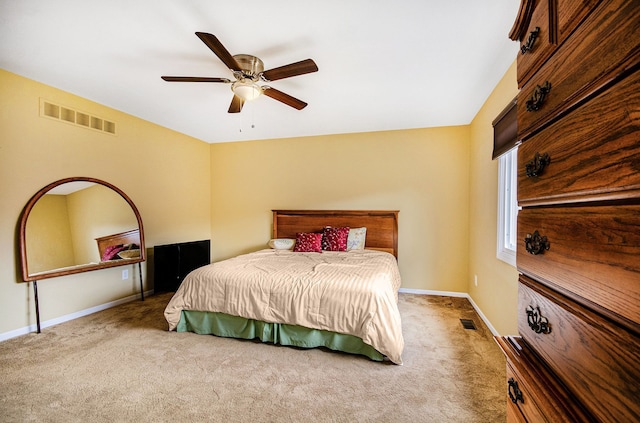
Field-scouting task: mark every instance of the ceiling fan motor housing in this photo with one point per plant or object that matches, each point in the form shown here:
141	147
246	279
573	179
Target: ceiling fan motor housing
251	66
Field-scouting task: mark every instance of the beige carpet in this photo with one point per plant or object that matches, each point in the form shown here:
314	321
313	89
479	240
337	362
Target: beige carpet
122	365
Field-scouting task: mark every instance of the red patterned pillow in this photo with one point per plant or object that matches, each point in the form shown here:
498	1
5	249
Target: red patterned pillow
335	239
111	252
308	243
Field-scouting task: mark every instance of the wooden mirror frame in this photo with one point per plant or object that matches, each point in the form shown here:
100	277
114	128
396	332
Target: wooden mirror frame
80	268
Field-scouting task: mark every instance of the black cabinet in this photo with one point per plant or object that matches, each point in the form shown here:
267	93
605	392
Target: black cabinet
172	262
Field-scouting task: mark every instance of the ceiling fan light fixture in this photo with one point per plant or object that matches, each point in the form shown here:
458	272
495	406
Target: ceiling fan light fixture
246	89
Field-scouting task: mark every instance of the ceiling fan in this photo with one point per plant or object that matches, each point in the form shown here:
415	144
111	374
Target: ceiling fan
247	71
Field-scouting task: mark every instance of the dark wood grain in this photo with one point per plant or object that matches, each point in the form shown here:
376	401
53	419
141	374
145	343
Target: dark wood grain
514	415
555	27
586	62
570	13
521	24
585	352
584	205
293	69
236	104
284	98
545	398
382	225
594	254
533	398
219	50
588	162
194	79
541	49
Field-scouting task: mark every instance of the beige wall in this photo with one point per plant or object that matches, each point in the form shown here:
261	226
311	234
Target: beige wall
424	173
52	248
496	293
96	212
166	174
441	179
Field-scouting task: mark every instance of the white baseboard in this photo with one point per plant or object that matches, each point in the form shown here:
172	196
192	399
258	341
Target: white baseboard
483	317
453	294
56	321
430	292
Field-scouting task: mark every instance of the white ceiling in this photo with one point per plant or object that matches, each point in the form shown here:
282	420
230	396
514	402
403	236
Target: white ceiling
383	64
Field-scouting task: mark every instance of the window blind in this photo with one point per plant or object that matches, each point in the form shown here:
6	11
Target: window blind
505	130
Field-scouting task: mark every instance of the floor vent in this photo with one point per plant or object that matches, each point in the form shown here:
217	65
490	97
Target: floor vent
468	324
76	117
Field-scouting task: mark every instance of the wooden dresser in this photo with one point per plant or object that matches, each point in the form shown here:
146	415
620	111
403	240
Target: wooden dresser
577	356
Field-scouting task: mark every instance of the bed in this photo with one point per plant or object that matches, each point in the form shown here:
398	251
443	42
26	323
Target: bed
342	300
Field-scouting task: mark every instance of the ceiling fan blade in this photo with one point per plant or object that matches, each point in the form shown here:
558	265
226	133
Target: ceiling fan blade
194	79
236	104
216	46
293	69
284	98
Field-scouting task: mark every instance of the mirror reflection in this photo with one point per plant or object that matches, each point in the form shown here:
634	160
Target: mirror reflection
77	224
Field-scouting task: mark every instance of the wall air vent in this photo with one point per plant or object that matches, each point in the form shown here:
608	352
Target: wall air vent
68	115
76	117
82	119
50	110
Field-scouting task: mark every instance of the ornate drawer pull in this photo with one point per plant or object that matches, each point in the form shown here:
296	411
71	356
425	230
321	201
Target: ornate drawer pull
515	394
537	98
537	322
536	244
528	45
535	166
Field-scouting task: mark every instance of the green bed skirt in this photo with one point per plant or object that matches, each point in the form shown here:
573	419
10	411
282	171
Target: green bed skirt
225	325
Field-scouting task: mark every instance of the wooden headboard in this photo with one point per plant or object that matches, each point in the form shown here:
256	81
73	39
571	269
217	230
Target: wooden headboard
382	225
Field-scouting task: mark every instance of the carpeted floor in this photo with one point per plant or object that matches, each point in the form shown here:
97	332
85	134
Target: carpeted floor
122	365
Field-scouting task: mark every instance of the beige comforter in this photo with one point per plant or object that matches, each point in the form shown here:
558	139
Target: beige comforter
353	292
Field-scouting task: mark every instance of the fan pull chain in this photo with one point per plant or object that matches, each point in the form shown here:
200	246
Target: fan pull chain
252	126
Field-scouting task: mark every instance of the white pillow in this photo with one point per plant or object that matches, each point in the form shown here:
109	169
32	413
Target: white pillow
282	243
356	238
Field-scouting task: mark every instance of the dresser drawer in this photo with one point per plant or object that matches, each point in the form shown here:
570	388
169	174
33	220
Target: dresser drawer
577	160
591	254
546	30
600	49
533	393
519	395
536	44
514	415
588	353
570	13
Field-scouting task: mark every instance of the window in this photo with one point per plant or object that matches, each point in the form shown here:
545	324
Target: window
507	206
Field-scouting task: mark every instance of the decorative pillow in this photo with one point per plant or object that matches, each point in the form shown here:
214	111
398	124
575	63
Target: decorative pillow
356	238
282	244
308	242
111	252
335	239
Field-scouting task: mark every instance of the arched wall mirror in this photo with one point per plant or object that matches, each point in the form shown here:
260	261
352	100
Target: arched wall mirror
77	225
